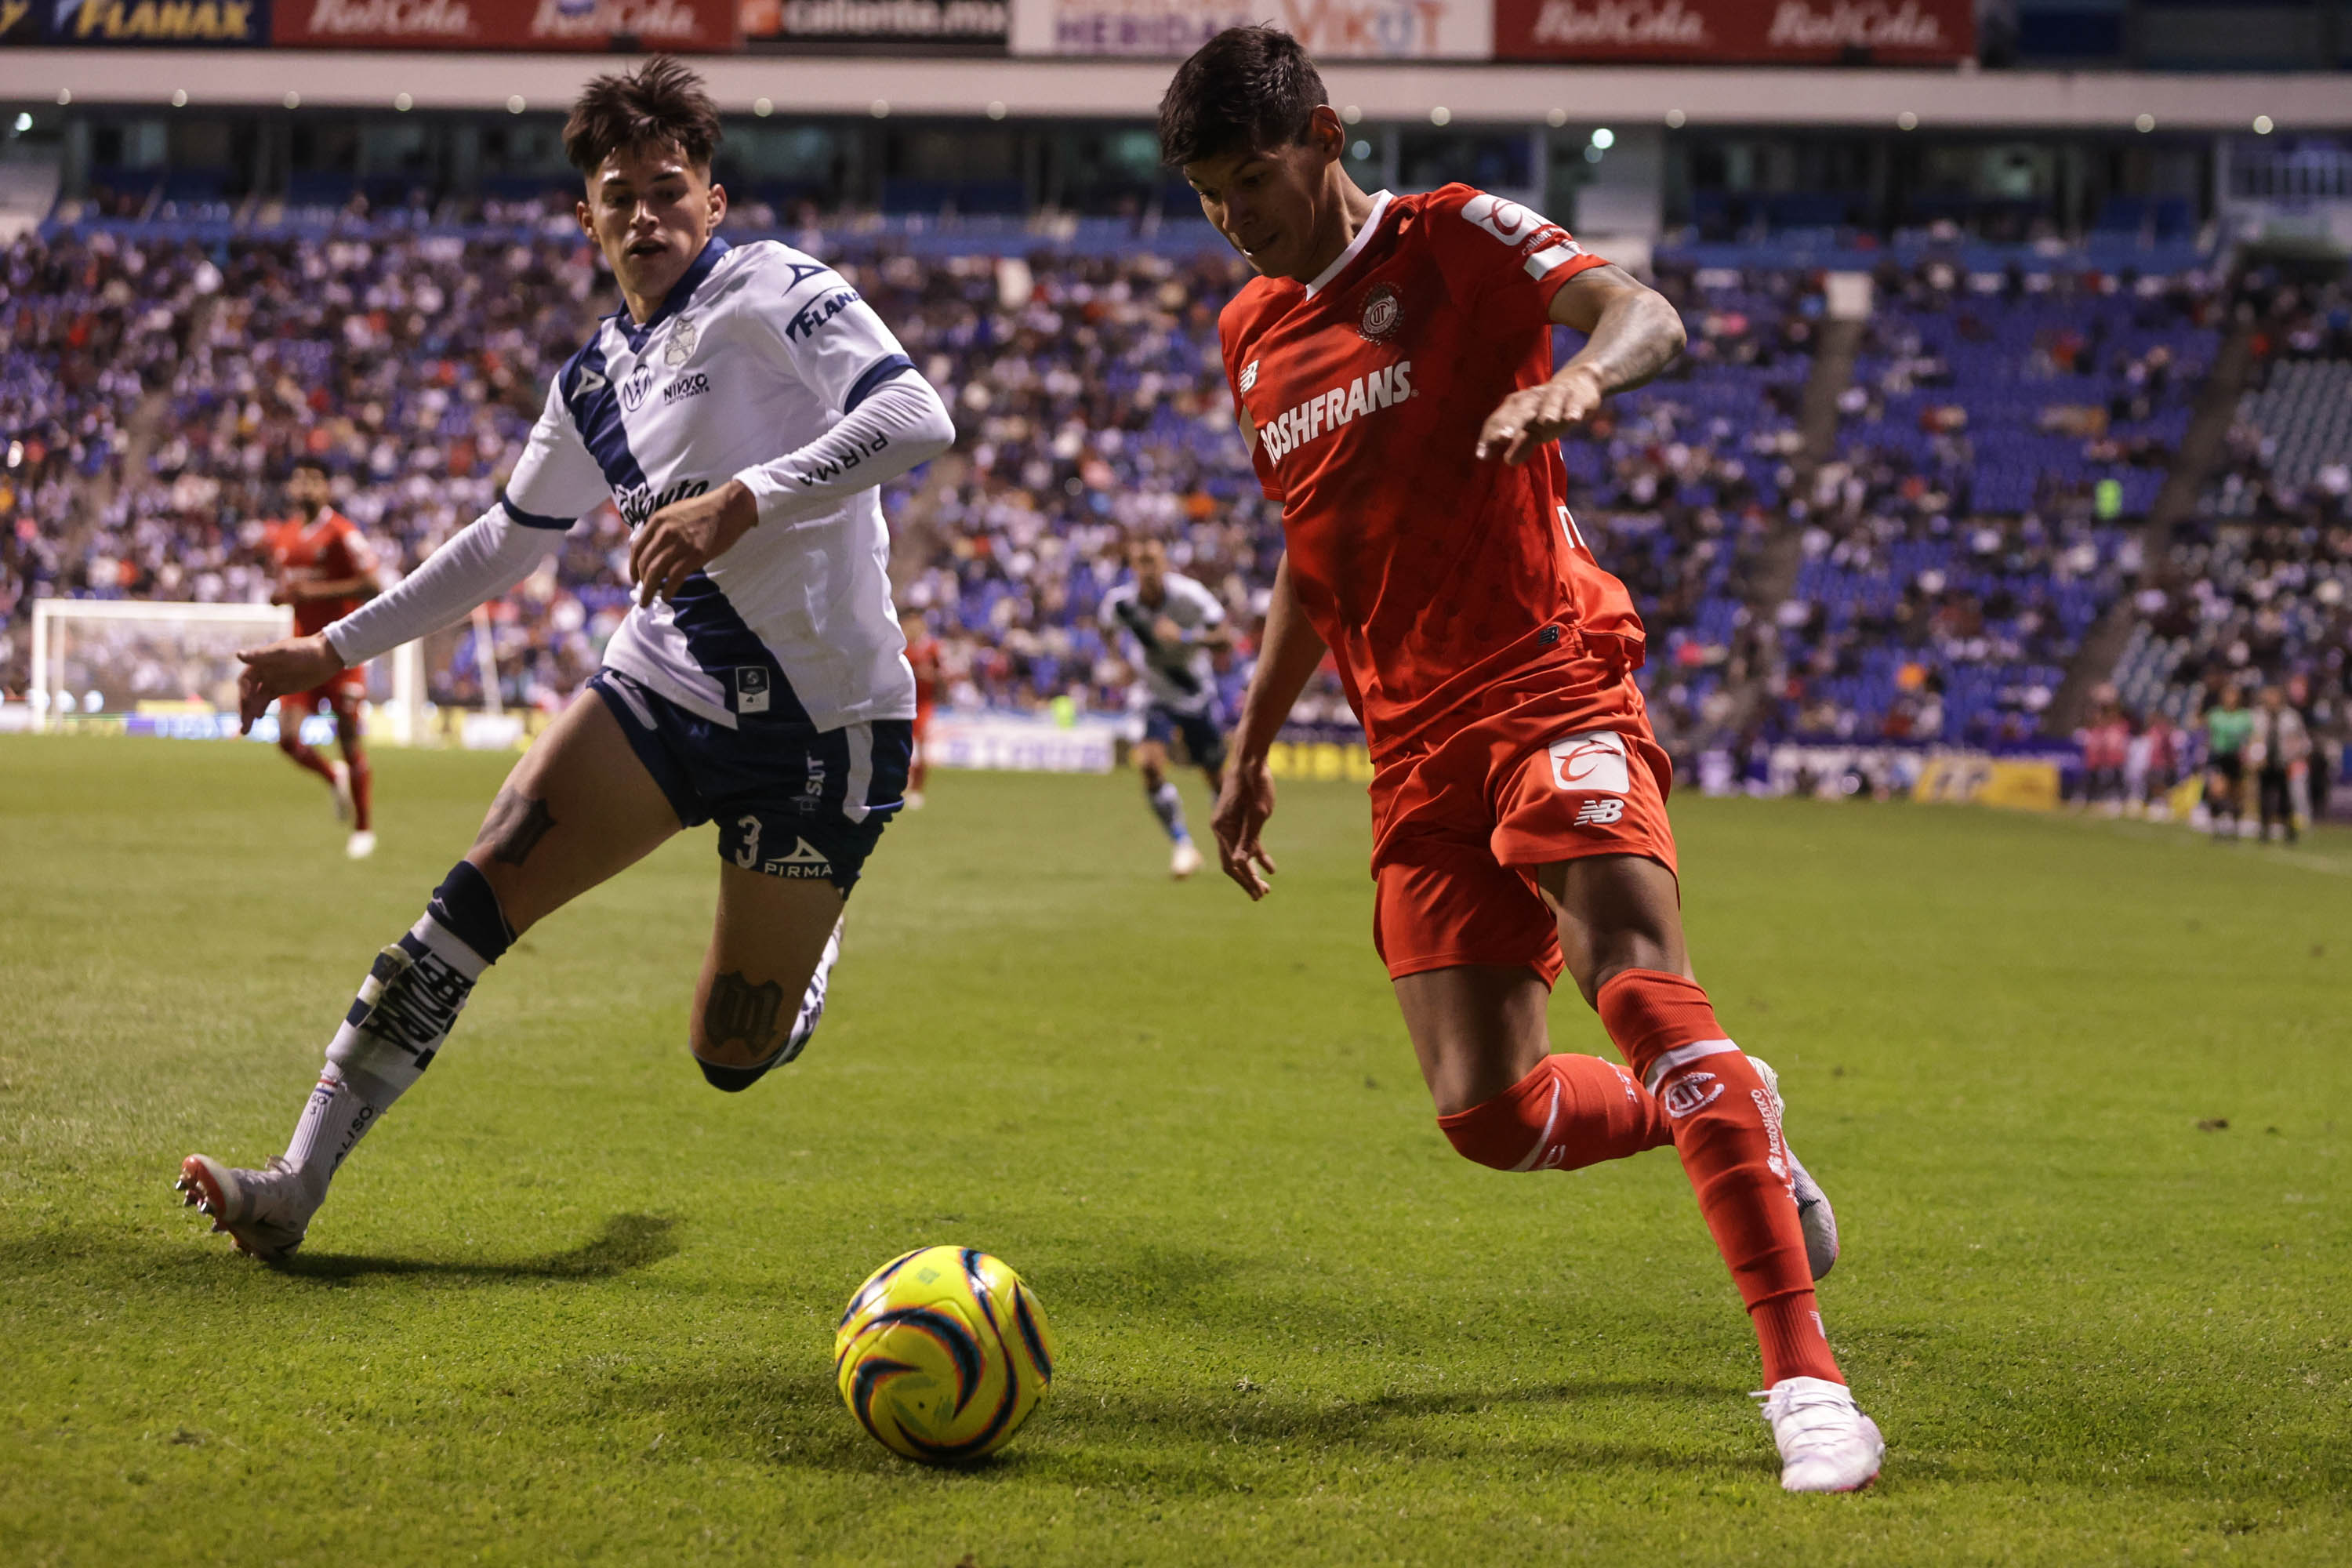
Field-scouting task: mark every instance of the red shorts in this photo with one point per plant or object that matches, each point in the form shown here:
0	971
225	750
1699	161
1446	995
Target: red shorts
1461	826
342	692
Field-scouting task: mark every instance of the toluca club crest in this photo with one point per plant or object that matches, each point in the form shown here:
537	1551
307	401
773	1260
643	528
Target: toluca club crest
682	339
1381	311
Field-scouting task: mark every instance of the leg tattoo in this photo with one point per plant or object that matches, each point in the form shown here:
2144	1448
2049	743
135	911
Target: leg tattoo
516	823
743	1015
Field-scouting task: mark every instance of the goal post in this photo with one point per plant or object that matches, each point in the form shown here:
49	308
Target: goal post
110	659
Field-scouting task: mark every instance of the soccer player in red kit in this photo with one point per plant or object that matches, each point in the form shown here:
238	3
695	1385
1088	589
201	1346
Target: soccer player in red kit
1391	365
923	658
325	571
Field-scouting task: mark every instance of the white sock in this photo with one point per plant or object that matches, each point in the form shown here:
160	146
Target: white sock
403	1015
1168	806
334	1119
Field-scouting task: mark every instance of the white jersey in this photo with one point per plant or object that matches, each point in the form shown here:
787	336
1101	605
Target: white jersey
1176	674
758	351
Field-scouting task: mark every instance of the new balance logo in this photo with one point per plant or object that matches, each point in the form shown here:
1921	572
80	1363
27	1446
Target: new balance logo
1600	813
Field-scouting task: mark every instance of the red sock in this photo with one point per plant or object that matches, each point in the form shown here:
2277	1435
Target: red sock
1731	1145
362	790
1569	1113
290	742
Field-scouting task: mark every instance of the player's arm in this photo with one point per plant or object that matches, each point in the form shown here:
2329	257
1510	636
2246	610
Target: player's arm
555	483
1287	657
1631	333
891	421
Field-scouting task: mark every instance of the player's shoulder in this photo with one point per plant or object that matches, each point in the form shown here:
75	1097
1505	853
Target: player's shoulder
1474	210
1118	592
771	269
1259	298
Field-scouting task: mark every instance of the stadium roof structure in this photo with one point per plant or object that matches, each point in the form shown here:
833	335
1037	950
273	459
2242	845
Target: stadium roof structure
1125	88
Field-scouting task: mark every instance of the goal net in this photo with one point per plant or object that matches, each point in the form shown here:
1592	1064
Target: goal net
173	666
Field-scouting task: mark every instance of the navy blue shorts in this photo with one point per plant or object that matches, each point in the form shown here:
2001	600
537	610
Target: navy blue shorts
1204	735
791	801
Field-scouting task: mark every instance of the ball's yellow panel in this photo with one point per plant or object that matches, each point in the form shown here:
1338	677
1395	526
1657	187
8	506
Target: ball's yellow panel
942	1354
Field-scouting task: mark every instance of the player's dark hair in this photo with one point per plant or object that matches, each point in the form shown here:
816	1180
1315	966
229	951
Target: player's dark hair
660	104
1248	89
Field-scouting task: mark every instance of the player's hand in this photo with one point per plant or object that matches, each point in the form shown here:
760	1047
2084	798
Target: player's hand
687	535
1243	804
1534	418
295	664
288	592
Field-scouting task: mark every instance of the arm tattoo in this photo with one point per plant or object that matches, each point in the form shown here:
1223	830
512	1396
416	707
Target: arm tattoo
516	825
741	1013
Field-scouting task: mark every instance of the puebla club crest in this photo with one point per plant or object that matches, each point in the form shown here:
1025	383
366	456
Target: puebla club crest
682	341
1381	309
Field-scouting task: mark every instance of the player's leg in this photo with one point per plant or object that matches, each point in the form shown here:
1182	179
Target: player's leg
1620	925
799	813
919	770
1150	758
1472	956
764	979
292	712
578	807
359	774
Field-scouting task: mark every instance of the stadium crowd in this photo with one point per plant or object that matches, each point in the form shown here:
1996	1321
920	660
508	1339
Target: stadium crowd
2001	434
2001	439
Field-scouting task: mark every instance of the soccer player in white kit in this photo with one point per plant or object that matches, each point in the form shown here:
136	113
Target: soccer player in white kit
1176	623
740	410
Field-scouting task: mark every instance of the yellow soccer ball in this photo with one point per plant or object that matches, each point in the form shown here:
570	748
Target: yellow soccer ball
942	1354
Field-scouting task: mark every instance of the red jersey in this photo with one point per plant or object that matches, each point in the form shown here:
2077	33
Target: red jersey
1443	585
325	550
923	658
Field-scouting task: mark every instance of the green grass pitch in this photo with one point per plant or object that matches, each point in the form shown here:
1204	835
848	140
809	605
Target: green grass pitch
568	1304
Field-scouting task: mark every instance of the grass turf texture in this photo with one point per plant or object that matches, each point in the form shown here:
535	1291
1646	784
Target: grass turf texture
569	1304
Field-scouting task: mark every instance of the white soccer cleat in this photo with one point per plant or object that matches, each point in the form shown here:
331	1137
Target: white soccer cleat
1813	1211
914	799
341	783
264	1213
1826	1443
1185	861
361	845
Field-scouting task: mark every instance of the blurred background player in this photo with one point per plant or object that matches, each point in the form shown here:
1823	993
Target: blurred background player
738	410
326	570
923	658
2228	727
2106	751
1177	625
2280	751
1392	366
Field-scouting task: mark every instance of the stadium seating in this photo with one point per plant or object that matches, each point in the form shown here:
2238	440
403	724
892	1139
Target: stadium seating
2000	436
1953	554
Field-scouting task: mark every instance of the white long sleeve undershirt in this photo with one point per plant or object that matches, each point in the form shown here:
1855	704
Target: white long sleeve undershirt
901	424
478	563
